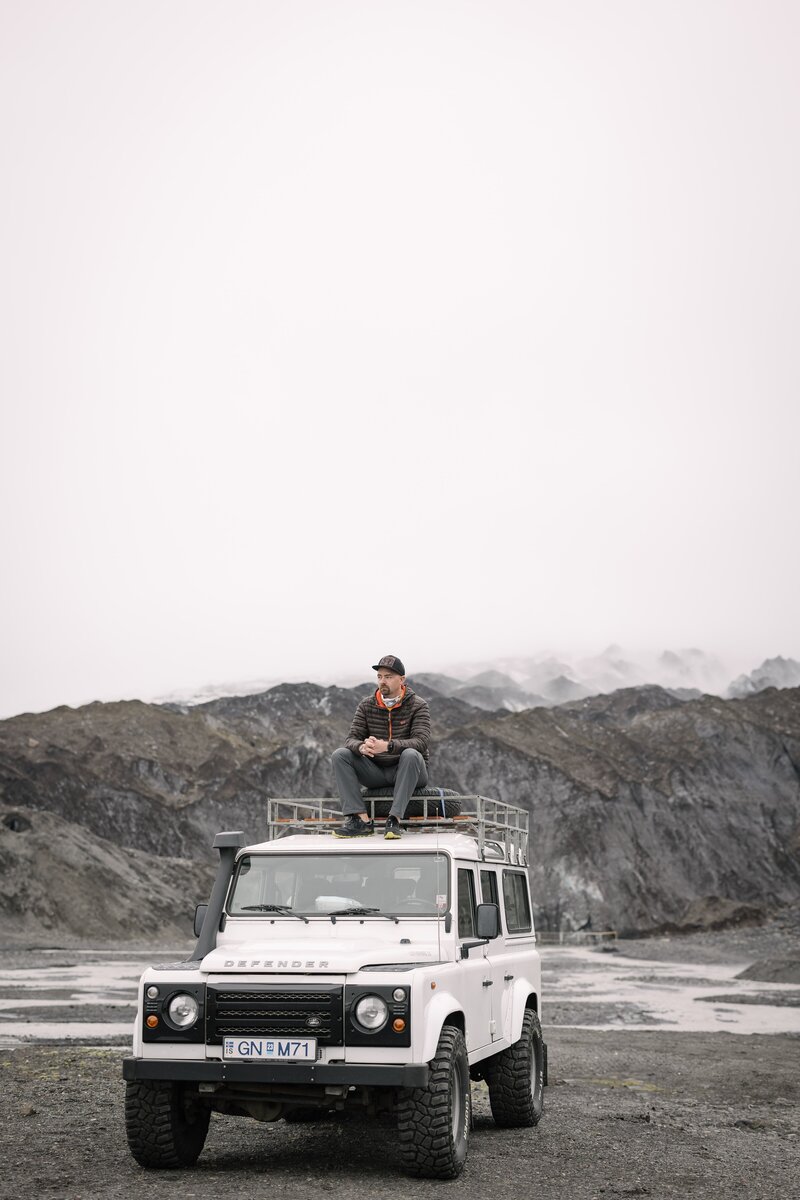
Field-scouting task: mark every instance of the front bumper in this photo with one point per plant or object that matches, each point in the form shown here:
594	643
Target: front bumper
218	1071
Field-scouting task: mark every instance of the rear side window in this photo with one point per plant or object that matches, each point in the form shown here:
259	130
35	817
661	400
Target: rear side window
466	904
489	887
515	898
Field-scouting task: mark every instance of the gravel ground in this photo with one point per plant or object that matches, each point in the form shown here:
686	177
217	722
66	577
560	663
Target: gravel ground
627	1114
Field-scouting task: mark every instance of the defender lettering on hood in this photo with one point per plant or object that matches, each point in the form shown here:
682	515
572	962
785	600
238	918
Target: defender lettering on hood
278	963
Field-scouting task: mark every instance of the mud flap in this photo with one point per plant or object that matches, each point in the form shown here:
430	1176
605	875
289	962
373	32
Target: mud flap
544	1064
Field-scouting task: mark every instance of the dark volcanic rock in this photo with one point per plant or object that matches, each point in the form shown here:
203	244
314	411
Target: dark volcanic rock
641	803
776	999
714	912
141	776
59	882
625	705
166	779
773	970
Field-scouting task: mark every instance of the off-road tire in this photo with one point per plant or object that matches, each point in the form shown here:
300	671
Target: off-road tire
163	1131
516	1078
416	805
433	1122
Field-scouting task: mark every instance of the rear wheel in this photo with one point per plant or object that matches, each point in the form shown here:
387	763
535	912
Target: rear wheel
434	1122
165	1124
516	1078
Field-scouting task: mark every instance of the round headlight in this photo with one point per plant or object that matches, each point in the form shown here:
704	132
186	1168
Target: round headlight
371	1012
183	1010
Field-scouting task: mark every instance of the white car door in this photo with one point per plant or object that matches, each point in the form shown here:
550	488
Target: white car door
476	984
502	974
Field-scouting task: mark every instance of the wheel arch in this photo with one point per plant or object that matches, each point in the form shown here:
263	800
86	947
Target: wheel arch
525	996
443	1010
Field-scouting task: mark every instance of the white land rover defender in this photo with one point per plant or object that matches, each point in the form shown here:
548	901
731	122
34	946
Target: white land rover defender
332	974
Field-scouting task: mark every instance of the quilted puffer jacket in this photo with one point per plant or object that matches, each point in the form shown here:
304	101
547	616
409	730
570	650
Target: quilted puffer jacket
407	725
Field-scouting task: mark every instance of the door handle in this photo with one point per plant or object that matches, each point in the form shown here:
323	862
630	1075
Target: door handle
507	977
488	982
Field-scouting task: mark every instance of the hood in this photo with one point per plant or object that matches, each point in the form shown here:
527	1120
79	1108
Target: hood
330	955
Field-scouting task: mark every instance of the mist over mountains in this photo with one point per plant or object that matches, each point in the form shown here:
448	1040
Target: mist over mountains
546	679
651	808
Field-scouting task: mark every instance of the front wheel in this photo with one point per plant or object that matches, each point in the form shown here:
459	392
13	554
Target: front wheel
516	1078
165	1127
433	1122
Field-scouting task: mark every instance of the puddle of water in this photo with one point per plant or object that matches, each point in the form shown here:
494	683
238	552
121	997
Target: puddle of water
105	978
73	1001
645	995
670	996
80	988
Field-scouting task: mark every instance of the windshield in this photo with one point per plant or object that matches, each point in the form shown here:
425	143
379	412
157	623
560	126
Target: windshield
407	885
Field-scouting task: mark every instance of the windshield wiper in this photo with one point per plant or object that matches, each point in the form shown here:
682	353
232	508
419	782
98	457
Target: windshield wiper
359	912
279	908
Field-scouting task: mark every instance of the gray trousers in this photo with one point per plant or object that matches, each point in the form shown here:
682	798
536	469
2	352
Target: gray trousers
352	770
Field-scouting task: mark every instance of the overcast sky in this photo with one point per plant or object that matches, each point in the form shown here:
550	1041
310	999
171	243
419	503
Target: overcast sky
445	329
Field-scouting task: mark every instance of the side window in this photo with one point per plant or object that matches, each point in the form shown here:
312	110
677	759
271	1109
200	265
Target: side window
466	904
515	897
489	887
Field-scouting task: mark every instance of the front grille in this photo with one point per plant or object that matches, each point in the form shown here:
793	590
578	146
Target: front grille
275	1010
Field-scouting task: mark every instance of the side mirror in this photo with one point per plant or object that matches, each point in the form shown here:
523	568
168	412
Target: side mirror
488	921
199	916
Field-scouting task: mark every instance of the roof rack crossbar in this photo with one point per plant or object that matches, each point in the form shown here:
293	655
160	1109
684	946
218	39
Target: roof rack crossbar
491	822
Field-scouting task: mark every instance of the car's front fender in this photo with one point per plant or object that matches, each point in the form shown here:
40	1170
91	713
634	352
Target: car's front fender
440	1007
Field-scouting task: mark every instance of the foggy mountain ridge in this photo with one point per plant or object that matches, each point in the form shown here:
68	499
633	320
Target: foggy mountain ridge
644	807
547	680
773	672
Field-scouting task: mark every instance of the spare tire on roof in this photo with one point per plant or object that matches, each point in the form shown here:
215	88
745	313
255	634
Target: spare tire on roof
438	798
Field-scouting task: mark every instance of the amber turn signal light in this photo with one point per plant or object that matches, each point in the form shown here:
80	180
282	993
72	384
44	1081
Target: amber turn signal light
398	1024
151	1022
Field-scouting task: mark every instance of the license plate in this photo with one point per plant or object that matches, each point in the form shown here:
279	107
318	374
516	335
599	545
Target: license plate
259	1049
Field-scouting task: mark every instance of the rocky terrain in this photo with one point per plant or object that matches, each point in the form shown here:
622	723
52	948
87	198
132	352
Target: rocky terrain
648	812
60	883
645	809
653	1114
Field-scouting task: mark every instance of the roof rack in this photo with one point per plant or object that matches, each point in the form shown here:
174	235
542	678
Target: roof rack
501	830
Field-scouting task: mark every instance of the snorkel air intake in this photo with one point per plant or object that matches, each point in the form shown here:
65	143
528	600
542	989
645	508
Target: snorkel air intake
227	844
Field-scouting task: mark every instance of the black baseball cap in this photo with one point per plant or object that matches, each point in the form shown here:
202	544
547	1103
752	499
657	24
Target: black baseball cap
390	662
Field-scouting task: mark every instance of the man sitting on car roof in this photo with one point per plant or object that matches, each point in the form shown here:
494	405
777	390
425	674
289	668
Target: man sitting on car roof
387	747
